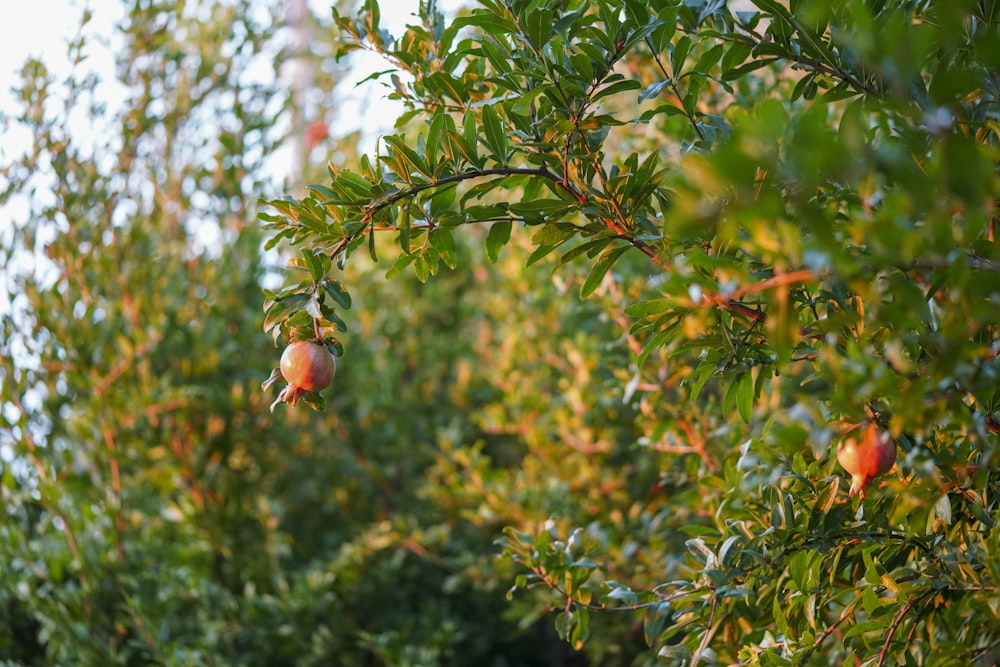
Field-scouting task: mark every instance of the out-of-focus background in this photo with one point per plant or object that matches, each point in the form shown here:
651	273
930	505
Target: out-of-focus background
155	511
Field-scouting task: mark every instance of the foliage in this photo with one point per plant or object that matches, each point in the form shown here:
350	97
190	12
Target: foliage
154	511
791	213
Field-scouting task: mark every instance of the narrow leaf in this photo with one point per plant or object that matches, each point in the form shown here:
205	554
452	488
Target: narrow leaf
600	270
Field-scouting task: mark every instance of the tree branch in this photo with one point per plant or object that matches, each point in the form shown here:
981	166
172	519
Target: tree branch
465	176
672	82
116	492
883	654
831	629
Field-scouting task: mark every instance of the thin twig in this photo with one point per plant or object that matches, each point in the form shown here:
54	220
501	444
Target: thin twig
848	610
698	443
116	491
465	176
731	301
883	654
671	81
712	627
124	364
985	651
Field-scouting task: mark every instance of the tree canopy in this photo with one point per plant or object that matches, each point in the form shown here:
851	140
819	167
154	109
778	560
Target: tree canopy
651	266
794	208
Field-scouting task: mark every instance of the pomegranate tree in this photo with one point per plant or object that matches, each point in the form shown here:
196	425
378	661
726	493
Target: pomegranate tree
868	457
306	366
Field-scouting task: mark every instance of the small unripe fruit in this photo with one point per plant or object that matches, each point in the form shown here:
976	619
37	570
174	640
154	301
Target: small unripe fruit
868	457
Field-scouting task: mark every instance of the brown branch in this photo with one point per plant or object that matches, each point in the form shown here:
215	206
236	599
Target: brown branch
712	627
974	261
883	654
831	629
116	490
731	301
544	577
124	364
181	453
422	552
781	279
672	82
621	227
698	445
985	651
541	172
465	176
833	70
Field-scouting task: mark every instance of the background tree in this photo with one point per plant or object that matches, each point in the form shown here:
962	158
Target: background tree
154	511
787	217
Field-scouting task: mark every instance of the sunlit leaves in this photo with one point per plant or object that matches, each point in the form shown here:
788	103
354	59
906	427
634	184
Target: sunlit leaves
799	203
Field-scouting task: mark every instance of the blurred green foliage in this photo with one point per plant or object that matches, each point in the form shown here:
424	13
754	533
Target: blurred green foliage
155	512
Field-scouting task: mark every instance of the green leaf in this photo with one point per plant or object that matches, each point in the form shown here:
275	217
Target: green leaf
704	372
600	269
621	593
443	240
590	248
616	88
337	292
403	223
648	308
679	55
445	85
552	234
495	138
488	22
746	68
654	620
401	263
408	156
523	104
744	397
313	306
497	238
538	211
652	90
581	631
539	253
314	264
538	26
371	245
440	126
279	311
864	627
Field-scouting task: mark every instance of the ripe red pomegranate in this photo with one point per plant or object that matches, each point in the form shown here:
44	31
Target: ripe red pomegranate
868	458
306	366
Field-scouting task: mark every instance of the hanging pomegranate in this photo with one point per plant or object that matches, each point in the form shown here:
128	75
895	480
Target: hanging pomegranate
306	366
866	454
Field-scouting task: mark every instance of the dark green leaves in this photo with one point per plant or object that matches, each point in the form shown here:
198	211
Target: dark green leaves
497	238
494	136
302	311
